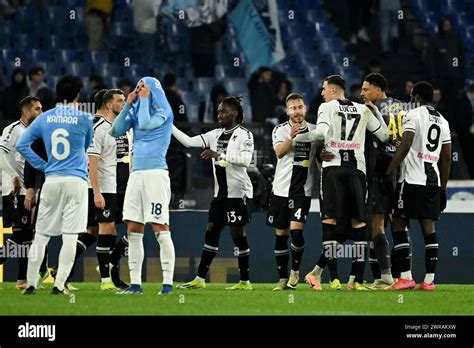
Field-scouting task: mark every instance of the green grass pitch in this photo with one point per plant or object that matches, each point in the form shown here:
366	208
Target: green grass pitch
216	300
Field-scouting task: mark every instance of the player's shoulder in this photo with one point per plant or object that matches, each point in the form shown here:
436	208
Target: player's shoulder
311	126
281	126
244	131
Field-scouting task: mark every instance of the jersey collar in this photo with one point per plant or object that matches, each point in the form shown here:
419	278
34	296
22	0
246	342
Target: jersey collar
231	130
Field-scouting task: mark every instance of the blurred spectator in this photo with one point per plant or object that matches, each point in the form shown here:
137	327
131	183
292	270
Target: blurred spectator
145	14
96	83
97	14
176	156
2	95
359	19
208	109
470	96
354	93
203	47
125	85
445	60
440	104
389	24
14	93
374	67
7	9
405	97
39	89
173	94
285	88
262	95
462	123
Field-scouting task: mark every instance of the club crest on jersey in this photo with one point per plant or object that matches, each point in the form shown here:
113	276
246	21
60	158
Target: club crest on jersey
24	220
106	213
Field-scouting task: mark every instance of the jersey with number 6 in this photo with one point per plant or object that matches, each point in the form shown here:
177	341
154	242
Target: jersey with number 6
431	131
67	134
347	123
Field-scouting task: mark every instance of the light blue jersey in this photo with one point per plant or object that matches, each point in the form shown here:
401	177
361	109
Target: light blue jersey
67	134
152	122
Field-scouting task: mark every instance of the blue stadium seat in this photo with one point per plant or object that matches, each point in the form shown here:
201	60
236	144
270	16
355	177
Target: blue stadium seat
192	100
51	81
79	69
65	56
50	68
53	42
122	29
236	86
57	15
96	57
203	85
135	70
22	42
107	70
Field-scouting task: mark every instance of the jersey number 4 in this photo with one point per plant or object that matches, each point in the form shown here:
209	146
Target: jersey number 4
354	118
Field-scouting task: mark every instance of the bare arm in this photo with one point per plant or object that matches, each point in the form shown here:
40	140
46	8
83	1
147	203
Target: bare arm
445	164
94	177
402	151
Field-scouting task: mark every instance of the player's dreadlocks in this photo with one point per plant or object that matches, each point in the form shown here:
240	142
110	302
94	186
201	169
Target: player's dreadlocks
235	103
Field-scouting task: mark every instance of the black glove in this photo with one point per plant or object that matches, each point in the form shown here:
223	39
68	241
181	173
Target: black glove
442	199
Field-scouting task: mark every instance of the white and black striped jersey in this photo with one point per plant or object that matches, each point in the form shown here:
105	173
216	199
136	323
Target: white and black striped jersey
431	131
123	161
230	180
104	146
293	175
347	123
10	136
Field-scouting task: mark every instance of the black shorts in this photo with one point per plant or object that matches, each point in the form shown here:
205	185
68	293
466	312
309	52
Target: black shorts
283	210
119	210
344	193
230	211
96	215
19	216
417	202
381	193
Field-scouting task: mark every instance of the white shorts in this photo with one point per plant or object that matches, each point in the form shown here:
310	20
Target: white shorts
63	206
147	197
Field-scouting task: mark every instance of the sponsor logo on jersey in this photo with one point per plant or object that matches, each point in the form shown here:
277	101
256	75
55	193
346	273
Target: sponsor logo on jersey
304	163
341	145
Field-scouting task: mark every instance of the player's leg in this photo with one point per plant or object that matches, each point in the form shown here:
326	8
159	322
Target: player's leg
429	211
299	215
133	216
106	239
431	253
381	250
404	209
74	212
156	201
216	223
328	253
278	216
84	240
121	248
238	215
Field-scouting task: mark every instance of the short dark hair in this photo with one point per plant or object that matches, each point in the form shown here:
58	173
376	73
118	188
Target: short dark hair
337	80
27	101
109	95
235	104
99	98
424	90
377	80
68	88
293	96
169	79
36	69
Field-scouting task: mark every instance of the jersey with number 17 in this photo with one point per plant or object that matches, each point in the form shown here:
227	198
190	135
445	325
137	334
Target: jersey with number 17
347	123
67	134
